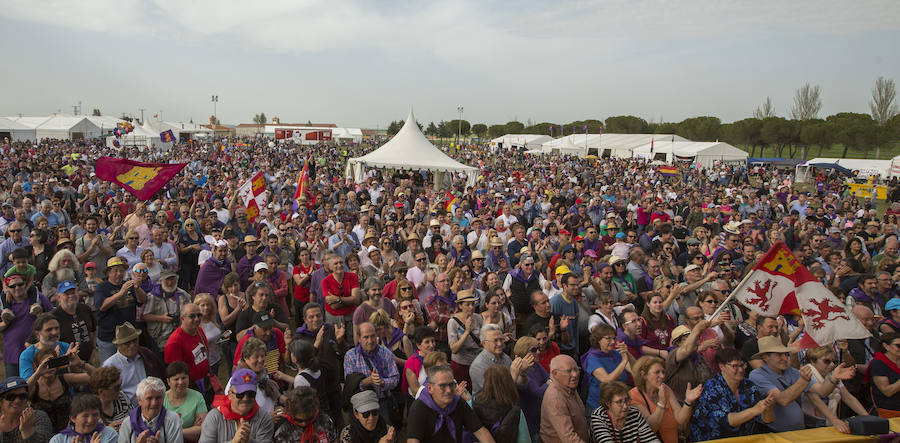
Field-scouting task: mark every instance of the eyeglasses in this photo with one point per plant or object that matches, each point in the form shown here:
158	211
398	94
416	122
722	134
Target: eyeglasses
420	259
620	402
14	397
446	386
14	230
573	371
739	366
533	349
609	337
369	414
619	264
249	394
131	238
15	285
405	307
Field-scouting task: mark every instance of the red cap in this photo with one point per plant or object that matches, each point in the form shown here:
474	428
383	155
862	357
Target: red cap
564	232
579	238
90	264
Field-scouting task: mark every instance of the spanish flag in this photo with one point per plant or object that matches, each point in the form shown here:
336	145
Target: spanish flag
668	171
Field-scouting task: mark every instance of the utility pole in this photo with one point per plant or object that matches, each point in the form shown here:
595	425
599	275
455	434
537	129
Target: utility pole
142	115
459	109
215	100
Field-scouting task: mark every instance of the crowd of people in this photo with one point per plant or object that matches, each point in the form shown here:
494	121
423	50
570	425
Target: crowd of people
557	300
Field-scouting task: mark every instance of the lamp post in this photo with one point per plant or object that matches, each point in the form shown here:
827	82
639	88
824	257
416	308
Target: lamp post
459	109
215	100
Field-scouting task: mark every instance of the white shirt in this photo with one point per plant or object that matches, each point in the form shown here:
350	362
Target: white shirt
132	372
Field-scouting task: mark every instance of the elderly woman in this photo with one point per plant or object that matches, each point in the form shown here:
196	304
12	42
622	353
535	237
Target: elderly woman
114	403
132	250
657	402
463	329
64	266
153	265
730	403
374	301
187	403
253	357
19	422
300	420
236	417
822	411
367	425
606	361
85	423
458	253
615	420
531	394
150	418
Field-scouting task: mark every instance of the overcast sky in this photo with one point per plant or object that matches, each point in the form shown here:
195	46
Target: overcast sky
364	63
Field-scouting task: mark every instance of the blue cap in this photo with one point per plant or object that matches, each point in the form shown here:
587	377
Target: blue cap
65	286
243	380
620	235
892	304
11	383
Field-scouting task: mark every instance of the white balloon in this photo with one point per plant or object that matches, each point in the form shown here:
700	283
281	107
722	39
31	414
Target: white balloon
271	144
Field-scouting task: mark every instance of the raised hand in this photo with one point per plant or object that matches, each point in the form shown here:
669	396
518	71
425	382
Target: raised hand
564	322
692	394
26	423
806	373
844	372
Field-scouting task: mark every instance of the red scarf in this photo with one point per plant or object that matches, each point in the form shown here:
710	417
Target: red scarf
309	433
884	359
223	404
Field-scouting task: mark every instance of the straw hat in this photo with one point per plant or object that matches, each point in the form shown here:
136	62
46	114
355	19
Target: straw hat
770	344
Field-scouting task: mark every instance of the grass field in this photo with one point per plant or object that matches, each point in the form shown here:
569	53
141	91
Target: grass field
887	152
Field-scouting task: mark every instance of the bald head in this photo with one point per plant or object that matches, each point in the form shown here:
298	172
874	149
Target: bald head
561	362
865	316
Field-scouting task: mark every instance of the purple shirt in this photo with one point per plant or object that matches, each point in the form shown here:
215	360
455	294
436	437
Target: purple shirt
21	326
211	275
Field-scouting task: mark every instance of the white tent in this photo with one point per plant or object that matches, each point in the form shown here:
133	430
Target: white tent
866	168
517	141
14	131
608	145
409	149
704	153
569	145
67	128
142	136
106	123
351	135
895	167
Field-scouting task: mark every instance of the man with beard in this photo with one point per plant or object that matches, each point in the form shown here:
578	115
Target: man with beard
93	246
163	308
76	321
116	301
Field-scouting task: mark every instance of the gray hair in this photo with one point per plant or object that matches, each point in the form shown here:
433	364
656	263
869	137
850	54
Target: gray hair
149	384
432	371
487	328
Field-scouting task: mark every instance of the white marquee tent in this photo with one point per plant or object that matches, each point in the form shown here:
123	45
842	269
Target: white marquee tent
409	149
704	153
351	135
16	132
515	141
142	136
64	127
865	167
606	145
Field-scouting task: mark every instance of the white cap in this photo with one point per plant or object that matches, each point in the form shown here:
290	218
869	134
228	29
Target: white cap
221	244
260	265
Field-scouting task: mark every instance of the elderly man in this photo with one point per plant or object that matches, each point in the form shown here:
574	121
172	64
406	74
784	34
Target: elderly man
342	243
163	250
330	344
236	418
492	354
891	249
519	284
76	320
163	308
93	246
376	362
133	361
213	270
188	344
14	240
417	274
413	246
116	301
20	309
46	210
776	377
439	415
150	421
563	417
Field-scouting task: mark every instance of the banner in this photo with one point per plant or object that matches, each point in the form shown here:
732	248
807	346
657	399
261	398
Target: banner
780	284
167	136
303	187
668	171
142	180
253	194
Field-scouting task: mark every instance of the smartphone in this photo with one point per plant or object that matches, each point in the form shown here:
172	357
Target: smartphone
58	362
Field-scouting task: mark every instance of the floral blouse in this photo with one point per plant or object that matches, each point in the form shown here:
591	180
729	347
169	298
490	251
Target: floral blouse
710	417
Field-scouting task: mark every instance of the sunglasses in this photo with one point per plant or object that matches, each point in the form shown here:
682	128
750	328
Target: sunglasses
405	289
14	230
241	395
14	397
131	238
369	414
405	307
141	271
15	285
533	349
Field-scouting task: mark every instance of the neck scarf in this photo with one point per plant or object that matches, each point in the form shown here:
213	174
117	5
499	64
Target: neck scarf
635	343
305	331
443	413
138	425
309	432
396	335
370	357
71	432
447	300
223	404
593	352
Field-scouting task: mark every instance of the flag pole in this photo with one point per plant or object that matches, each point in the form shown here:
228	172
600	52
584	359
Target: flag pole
730	296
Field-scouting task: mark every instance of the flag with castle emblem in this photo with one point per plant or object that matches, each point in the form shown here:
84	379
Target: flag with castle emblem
254	195
780	284
141	180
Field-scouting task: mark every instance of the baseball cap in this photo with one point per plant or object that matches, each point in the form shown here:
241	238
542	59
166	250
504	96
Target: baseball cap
243	380
562	270
693	242
892	304
260	266
65	286
90	264
263	320
11	383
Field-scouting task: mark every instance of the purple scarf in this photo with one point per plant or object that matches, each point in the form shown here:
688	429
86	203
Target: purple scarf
158	292
138	425
396	335
519	274
587	355
447	300
303	330
443	413
70	431
371	357
636	343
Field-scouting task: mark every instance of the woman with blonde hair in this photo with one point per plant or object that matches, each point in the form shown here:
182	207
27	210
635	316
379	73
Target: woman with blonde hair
821	411
657	402
132	250
390	336
209	322
531	394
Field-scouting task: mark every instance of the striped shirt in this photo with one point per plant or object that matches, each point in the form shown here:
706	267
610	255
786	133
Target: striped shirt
636	429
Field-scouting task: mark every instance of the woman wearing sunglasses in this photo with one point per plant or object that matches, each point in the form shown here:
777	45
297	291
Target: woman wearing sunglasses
18	421
300	420
822	411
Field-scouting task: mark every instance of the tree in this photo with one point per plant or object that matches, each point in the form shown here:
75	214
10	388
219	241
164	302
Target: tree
807	102
496	130
765	111
514	127
432	130
817	133
775	132
480	129
666	128
743	133
96	112
464	127
626	124
394	127
883	107
259	119
700	128
854	131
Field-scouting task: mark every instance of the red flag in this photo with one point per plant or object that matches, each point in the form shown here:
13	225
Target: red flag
253	193
651	148
449	200
780	284
302	186
141	180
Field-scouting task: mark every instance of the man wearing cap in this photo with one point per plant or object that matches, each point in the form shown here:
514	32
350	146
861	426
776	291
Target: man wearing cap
151	420
116	301
135	362
163	308
477	236
93	246
693	247
413	246
76	320
213	270
235	417
264	329
248	261
776	377
496	260
689	362
376	362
